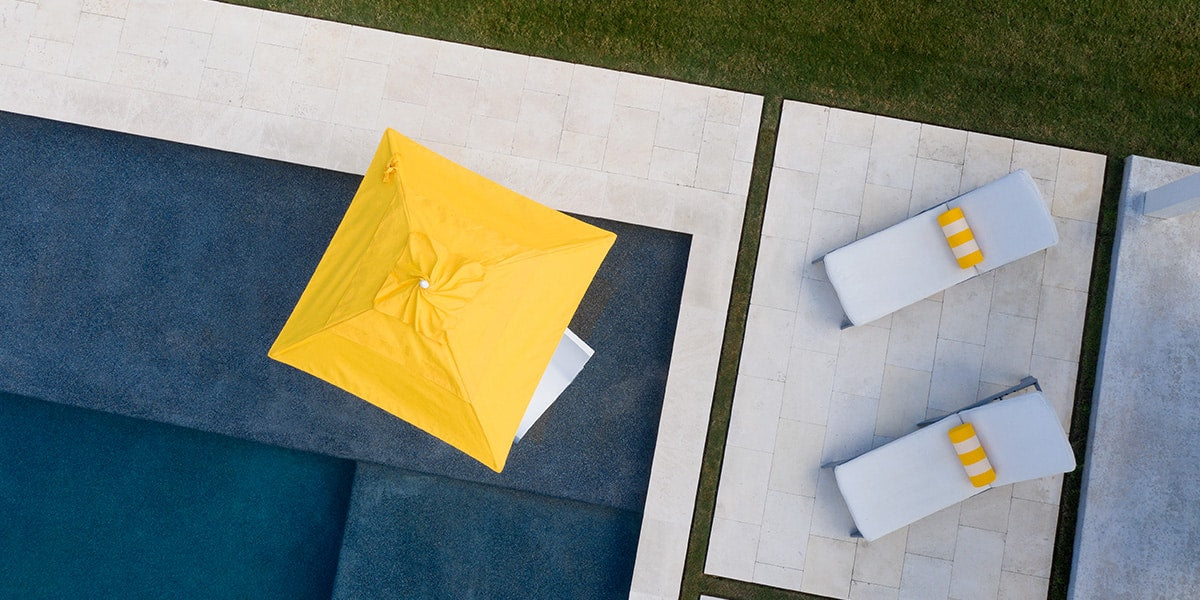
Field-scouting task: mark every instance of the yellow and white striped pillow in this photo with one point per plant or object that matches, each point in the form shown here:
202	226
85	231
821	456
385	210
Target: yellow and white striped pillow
971	453
962	241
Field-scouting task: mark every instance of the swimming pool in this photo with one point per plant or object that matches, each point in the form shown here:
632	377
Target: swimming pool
147	278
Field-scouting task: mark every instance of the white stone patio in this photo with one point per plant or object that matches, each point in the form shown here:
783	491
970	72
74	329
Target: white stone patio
808	393
593	141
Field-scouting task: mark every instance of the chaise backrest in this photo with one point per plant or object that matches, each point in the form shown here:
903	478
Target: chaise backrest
1009	218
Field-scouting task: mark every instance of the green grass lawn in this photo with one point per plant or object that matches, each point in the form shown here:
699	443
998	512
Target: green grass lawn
1115	77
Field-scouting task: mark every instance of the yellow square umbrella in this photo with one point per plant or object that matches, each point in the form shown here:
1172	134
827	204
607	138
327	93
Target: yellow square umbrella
442	298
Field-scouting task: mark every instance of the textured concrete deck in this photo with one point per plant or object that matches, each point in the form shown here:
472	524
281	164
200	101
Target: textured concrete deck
1138	535
613	145
808	393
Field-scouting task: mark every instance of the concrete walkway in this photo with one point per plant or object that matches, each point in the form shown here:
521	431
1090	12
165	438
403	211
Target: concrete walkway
1138	534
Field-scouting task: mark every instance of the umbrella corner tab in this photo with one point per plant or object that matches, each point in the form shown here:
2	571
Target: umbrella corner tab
442	297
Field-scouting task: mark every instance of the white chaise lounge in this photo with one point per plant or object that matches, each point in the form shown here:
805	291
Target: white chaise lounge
882	273
919	474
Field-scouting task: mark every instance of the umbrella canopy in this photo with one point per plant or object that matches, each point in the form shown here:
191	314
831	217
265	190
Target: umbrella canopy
442	298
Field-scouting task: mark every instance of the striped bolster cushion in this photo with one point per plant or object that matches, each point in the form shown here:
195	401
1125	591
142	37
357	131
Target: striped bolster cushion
962	241
970	452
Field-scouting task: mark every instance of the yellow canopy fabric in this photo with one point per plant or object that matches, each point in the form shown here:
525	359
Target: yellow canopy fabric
442	298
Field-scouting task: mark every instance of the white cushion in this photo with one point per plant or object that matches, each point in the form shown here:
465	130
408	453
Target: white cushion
1022	437
1009	219
568	360
884	272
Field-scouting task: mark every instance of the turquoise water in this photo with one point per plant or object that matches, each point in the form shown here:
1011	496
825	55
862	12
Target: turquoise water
102	506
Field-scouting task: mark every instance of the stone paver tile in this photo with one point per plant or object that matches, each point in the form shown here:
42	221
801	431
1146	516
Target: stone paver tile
892	170
851	428
48	56
739	178
987	158
830	516
870	591
942	144
988	510
133	71
402	116
849	127
540	125
321	51
809	386
1017	586
315	103
902	401
828	566
842	178
639	91
790	200
881	562
742	492
576	190
449	120
913	341
371	45
590	105
146	23
57	20
681	119
1040	160
925	578
1009	349
955	381
108	8
895	136
755	415
1078	185
410	77
1018	287
766	350
796	459
233	39
934	182
1058	384
501	85
830	231
16	23
818	318
882	207
491	134
582	150
281	29
977	560
675	469
184	55
268	85
630	141
95	56
1060	323
860	361
780	577
462	60
785	521
673	166
965	309
778	275
724	106
549	76
1047	490
1030	542
1069	262
731	549
667	542
195	15
747	141
936	535
714	170
801	140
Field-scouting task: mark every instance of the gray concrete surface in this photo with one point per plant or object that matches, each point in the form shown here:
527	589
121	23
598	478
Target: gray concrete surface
1138	534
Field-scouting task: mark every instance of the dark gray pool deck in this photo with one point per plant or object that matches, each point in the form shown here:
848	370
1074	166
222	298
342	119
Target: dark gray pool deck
1138	535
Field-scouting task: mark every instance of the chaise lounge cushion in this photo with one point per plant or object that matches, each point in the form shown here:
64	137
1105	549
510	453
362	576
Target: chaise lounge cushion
1009	219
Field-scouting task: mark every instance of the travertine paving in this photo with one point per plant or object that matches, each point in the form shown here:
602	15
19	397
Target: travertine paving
588	140
808	393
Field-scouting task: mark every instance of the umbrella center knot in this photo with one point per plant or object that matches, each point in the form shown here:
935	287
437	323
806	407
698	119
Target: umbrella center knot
428	286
